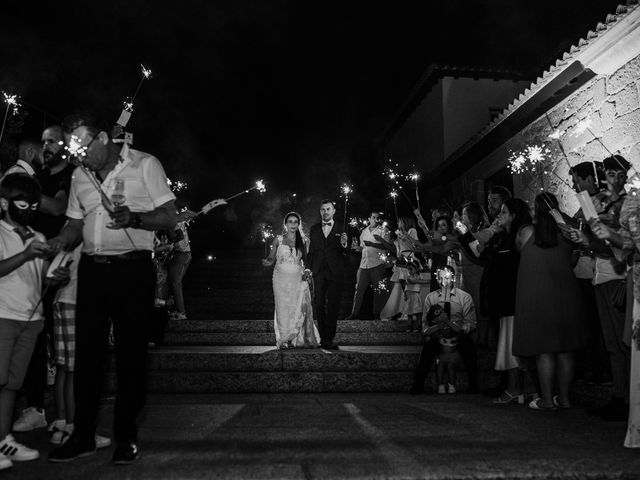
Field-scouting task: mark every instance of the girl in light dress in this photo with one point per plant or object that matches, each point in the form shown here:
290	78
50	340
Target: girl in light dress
293	318
406	236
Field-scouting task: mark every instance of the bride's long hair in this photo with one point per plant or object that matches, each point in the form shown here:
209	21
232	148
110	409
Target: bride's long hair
300	247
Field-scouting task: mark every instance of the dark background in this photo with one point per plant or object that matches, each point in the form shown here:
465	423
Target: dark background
295	92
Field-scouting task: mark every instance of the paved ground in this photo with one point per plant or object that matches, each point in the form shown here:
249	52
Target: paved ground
309	436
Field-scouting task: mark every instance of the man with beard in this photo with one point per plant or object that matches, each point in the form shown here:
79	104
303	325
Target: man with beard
55	181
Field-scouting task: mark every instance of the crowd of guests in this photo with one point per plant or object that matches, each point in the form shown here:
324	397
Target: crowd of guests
77	269
555	296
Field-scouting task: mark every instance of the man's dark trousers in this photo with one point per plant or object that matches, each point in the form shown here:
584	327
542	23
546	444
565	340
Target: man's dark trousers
123	291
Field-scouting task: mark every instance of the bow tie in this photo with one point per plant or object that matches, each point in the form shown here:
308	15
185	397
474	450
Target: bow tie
327	223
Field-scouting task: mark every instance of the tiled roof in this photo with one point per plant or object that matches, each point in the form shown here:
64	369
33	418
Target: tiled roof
548	75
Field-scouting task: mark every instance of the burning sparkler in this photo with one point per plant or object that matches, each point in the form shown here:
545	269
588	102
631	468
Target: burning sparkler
266	233
259	186
393	196
127	106
346	190
177	186
12	103
390	173
381	287
415	177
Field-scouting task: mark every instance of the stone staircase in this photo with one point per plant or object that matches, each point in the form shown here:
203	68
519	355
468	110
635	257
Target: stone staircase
228	344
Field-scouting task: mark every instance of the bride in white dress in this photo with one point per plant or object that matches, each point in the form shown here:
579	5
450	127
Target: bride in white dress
293	321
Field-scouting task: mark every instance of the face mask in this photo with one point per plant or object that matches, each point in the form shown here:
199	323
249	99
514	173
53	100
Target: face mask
22	212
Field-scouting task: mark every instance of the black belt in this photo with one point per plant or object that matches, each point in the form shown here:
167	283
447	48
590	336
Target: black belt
136	255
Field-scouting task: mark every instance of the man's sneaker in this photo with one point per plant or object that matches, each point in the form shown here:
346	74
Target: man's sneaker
5	462
102	442
442	389
73	448
16	451
30	419
178	316
451	389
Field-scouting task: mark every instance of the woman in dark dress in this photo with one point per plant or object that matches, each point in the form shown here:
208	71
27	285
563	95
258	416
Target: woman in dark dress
499	290
550	317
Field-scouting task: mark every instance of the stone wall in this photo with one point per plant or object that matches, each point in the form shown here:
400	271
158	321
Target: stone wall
610	105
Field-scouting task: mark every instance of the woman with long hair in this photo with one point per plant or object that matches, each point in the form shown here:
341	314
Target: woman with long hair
549	316
293	319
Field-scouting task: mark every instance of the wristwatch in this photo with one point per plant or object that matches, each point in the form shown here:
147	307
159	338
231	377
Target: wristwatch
136	221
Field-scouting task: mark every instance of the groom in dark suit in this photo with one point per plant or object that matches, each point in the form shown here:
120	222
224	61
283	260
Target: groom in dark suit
327	260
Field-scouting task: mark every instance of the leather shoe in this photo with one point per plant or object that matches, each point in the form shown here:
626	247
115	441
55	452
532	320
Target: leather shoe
350	317
330	346
125	453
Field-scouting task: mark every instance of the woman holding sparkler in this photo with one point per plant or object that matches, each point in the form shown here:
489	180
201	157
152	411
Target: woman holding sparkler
407	235
293	321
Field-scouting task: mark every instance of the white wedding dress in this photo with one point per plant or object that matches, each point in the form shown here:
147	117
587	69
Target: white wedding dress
293	320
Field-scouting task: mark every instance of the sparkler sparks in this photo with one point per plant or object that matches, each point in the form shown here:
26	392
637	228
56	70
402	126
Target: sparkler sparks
146	72
177	186
260	186
12	103
381	287
517	163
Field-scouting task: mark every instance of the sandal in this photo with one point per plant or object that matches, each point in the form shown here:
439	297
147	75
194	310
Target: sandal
507	397
556	402
537	405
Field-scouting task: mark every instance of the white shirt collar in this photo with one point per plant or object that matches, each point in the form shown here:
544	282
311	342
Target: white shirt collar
28	168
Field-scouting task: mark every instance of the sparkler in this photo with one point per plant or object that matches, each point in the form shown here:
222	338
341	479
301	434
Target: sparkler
393	176
266	233
393	196
177	186
12	103
381	287
346	190
259	186
127	105
415	177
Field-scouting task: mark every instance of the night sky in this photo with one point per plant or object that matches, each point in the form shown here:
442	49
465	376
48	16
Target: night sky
294	92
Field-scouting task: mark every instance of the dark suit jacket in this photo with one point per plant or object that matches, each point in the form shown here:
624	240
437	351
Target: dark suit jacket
328	251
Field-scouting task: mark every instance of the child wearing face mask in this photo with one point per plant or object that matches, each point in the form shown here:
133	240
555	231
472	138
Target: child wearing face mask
22	267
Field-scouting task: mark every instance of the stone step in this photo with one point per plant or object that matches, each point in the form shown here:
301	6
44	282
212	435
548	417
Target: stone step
268	370
260	332
266	326
263	338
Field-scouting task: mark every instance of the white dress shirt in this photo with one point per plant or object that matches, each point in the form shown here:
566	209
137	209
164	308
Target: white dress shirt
370	255
145	189
326	229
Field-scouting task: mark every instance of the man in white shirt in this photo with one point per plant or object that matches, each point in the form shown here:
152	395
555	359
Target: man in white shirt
29	152
116	278
372	267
